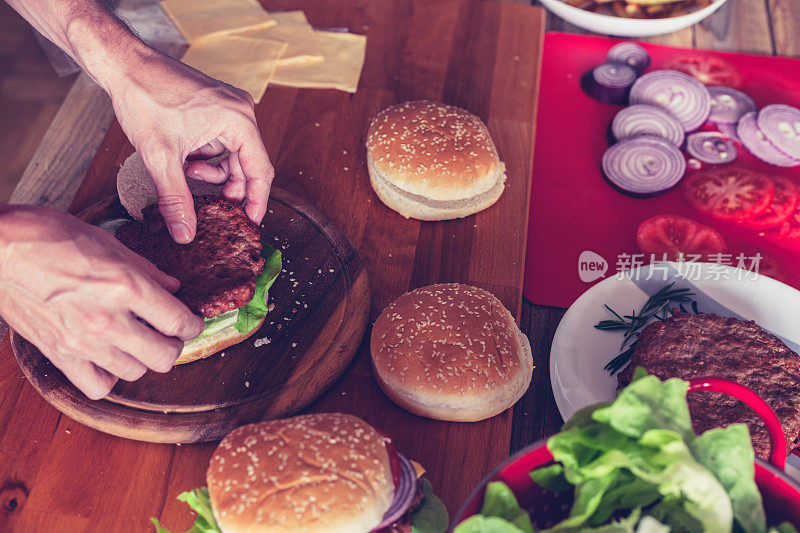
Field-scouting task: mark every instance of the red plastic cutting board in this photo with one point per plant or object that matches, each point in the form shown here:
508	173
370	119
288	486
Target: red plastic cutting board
573	209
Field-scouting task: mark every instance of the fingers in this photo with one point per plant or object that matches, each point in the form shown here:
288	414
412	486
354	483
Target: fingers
258	173
205	171
166	314
235	187
91	380
120	364
174	199
154	350
207	151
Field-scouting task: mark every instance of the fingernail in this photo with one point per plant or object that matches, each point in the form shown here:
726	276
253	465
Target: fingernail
180	232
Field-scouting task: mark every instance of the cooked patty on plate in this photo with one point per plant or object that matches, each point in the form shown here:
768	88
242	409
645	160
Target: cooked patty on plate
707	345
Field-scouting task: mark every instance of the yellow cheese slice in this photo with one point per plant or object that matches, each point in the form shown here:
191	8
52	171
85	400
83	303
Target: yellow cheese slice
292	28
344	58
243	62
197	19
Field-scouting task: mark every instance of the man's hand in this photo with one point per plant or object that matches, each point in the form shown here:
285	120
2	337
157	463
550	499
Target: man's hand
168	110
80	296
172	112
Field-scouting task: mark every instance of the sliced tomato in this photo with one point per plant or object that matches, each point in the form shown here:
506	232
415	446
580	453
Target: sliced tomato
709	69
678	237
783	206
729	193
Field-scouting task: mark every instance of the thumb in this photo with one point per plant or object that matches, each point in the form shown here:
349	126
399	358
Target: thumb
174	199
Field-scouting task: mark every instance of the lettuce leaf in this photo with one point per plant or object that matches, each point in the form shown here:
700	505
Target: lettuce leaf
486	524
431	515
500	501
728	454
251	314
200	503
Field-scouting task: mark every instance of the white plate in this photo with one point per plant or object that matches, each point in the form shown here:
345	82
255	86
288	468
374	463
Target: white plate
580	351
627	27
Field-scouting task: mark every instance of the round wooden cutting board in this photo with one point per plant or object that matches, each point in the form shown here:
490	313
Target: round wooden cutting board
321	307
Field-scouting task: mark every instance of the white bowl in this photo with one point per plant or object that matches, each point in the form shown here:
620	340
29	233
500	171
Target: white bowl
625	27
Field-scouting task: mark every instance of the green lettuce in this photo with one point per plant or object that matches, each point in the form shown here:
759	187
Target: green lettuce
637	457
486	524
200	503
252	313
728	454
431	515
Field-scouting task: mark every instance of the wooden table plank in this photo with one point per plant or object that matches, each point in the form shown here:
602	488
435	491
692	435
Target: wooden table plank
783	17
483	56
58	166
748	29
56	171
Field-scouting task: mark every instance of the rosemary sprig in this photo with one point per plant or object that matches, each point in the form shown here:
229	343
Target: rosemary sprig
657	307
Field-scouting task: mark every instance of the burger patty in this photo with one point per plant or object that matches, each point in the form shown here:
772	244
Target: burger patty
218	269
689	346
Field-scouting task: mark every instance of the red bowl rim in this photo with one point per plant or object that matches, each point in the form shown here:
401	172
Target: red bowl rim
477	491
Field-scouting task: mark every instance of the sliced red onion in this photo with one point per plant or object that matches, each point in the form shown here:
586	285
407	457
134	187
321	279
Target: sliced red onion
729	130
630	54
609	82
686	98
647	120
711	147
780	124
728	105
404	493
644	165
754	140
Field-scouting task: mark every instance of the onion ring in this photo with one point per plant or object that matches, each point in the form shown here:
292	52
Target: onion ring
644	165
683	96
757	143
647	120
728	105
630	54
711	147
780	124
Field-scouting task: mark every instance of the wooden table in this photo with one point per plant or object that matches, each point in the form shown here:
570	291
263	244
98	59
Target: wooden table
42	453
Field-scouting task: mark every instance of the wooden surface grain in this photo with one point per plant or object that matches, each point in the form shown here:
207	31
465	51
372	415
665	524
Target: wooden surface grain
45	483
483	56
320	309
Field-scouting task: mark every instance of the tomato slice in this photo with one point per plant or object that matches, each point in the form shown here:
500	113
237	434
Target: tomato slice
678	237
783	206
709	69
729	193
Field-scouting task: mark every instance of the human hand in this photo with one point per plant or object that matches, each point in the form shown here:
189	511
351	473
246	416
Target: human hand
172	112
77	293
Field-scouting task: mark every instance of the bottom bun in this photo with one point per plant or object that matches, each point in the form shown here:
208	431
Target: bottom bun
421	208
211	344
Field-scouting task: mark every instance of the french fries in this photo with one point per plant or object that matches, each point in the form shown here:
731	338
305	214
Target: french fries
641	9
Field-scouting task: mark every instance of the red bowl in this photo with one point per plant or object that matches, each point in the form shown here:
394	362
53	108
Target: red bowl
780	494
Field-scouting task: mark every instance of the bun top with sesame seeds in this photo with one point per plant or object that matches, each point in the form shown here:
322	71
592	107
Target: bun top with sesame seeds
433	150
324	472
451	352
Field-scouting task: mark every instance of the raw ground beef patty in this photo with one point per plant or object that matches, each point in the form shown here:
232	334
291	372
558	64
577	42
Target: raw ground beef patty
689	346
218	269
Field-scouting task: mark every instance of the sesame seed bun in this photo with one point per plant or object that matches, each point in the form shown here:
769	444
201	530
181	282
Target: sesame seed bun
324	472
432	161
451	352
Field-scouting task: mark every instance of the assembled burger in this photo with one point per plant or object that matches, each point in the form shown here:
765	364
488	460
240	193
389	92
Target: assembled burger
324	472
225	272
